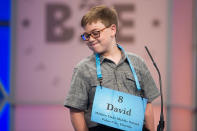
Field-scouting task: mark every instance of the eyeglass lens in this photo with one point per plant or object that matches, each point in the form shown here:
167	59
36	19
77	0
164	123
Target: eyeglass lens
94	34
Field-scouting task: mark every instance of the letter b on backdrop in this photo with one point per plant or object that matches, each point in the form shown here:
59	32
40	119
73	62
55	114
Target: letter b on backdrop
56	30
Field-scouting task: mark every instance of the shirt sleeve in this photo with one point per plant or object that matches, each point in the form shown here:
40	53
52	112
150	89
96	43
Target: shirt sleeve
151	91
77	96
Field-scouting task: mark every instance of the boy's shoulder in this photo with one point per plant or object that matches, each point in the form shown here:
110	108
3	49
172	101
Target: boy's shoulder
88	61
134	57
137	61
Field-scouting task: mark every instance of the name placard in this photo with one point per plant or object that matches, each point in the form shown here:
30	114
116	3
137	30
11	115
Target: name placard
117	109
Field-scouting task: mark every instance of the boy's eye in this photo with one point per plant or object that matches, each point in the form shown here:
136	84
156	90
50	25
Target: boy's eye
95	33
86	35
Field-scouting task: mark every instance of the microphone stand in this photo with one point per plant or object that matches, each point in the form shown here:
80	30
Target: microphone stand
161	124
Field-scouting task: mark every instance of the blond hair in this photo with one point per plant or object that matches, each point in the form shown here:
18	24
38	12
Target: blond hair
106	15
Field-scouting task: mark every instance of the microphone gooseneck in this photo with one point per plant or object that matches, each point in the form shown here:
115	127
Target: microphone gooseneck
161	124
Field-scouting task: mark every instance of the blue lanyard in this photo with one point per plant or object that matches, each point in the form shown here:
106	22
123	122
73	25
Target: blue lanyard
99	74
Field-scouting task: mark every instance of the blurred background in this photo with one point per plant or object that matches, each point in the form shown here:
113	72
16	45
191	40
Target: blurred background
40	45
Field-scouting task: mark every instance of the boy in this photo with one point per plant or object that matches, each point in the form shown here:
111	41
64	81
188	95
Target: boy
100	25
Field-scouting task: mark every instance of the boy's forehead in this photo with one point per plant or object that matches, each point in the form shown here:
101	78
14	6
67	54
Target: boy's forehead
94	25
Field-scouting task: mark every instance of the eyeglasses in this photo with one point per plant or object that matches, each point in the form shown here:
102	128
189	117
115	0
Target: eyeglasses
95	34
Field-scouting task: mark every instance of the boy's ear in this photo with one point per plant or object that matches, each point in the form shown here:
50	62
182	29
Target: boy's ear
113	28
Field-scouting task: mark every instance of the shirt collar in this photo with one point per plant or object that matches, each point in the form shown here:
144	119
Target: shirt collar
123	58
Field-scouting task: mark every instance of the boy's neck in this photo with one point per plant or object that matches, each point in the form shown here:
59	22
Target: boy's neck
113	53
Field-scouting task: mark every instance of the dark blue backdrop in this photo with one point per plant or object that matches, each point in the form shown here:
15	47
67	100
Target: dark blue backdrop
5	47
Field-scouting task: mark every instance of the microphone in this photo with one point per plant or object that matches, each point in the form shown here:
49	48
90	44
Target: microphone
161	124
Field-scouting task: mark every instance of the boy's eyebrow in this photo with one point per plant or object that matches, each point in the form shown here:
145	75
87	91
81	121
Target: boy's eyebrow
92	30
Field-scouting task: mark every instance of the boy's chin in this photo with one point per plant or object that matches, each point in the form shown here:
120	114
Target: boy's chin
97	52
